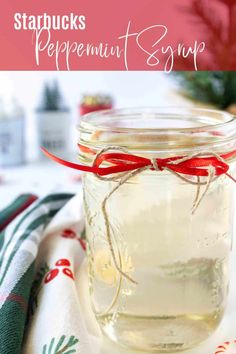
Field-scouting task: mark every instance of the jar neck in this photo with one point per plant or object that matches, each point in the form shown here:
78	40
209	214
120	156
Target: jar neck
160	132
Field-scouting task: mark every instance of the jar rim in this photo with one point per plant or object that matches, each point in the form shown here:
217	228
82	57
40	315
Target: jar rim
196	129
192	112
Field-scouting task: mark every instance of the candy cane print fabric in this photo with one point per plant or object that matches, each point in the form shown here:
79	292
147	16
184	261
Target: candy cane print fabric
20	242
56	321
227	348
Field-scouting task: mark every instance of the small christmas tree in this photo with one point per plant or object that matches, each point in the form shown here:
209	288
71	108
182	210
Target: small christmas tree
52	99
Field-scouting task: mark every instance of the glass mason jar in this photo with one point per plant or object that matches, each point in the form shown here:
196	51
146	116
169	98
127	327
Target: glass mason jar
170	290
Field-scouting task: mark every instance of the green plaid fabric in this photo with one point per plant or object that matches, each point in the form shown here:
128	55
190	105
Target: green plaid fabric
18	250
15	208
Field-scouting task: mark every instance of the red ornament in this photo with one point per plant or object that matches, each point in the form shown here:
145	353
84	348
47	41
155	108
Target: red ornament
51	275
63	263
94	103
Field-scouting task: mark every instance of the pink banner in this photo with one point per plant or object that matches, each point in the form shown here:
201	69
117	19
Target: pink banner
118	35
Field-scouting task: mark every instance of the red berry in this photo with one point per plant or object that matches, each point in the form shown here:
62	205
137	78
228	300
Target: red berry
68	272
68	233
51	275
63	263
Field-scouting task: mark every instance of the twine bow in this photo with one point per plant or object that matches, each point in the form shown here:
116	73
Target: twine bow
123	166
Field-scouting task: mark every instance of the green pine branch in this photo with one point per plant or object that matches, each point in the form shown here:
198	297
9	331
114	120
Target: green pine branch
205	16
219	34
61	347
216	87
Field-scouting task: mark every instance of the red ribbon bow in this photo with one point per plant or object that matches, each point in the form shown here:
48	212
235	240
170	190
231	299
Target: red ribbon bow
122	162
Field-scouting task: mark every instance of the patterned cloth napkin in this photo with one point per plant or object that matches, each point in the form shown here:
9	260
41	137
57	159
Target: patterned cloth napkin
15	208
41	301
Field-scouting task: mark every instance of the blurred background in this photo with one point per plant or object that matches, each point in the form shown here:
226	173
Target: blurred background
44	108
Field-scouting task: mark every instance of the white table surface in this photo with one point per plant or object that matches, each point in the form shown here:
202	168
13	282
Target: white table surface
45	177
40	178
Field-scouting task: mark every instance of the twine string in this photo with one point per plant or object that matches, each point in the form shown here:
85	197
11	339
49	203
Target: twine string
199	198
123	177
197	194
